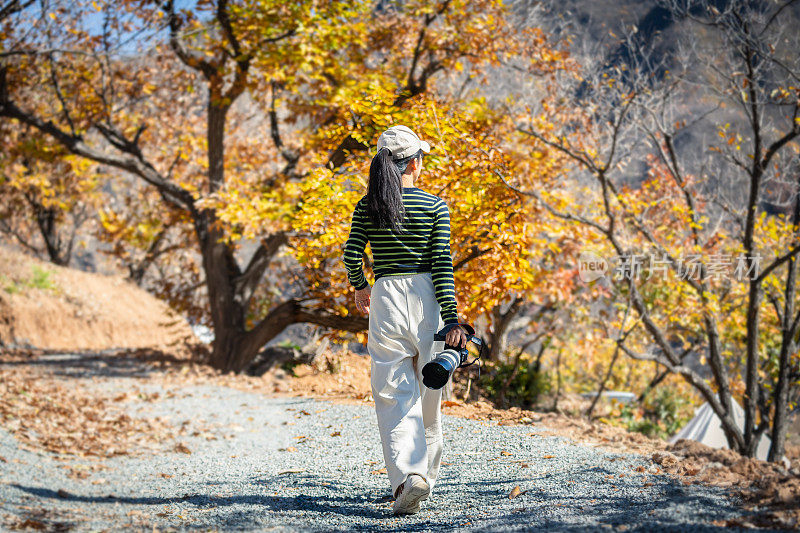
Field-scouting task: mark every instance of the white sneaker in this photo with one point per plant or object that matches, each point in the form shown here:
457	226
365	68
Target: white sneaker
412	491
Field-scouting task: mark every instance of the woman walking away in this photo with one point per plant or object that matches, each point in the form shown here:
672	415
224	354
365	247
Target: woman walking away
409	232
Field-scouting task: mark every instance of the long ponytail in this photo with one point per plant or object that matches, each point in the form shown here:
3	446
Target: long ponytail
385	192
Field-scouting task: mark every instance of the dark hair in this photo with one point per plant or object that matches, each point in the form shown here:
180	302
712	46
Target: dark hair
385	192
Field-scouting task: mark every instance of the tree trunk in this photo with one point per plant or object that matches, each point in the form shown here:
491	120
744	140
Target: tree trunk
754	295
58	253
227	314
558	380
48	226
781	398
219	264
751	370
781	394
499	332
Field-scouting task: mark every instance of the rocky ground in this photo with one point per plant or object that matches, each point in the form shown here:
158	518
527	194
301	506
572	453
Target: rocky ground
143	440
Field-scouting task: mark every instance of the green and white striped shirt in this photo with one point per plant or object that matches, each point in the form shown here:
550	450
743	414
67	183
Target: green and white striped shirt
424	248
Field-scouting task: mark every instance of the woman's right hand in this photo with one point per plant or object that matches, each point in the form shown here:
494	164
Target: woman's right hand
457	336
362	299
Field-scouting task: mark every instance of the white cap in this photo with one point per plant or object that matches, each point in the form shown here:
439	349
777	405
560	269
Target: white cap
402	142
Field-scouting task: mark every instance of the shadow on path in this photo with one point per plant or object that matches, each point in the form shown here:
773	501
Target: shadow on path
311	502
137	363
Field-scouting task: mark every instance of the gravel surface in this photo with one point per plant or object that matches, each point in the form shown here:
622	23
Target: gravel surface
288	464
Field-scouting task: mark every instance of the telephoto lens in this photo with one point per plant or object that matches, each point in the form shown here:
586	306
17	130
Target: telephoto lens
438	370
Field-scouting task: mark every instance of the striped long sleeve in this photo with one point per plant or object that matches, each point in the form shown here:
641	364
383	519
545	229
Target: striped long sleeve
442	264
354	249
423	246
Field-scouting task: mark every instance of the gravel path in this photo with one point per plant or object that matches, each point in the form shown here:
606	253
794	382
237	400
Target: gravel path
298	464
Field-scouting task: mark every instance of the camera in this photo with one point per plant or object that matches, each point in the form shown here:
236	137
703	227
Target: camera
438	370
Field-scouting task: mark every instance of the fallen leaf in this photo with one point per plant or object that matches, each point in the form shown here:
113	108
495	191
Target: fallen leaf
516	492
336	434
32	524
548	457
506	453
664	458
379	471
449	403
690	470
182	448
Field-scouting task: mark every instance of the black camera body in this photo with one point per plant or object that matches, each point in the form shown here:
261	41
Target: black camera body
438	370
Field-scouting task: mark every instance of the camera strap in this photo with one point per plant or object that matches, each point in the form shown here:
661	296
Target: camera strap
481	345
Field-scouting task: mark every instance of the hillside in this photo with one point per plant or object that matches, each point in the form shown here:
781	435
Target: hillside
50	307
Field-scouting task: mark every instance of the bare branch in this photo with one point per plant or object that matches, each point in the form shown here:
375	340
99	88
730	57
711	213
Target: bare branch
776	263
190	59
246	283
13	6
132	162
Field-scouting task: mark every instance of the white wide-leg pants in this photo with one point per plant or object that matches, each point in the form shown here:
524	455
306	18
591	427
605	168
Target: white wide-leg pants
403	316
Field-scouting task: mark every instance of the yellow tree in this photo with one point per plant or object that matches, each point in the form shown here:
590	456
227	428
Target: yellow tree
97	98
497	243
322	79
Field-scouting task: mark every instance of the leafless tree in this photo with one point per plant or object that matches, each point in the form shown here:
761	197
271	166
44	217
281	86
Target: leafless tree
731	71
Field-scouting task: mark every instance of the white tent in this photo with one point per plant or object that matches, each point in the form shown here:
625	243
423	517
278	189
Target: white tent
706	428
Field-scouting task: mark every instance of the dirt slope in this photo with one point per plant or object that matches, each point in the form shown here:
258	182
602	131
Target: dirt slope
46	306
